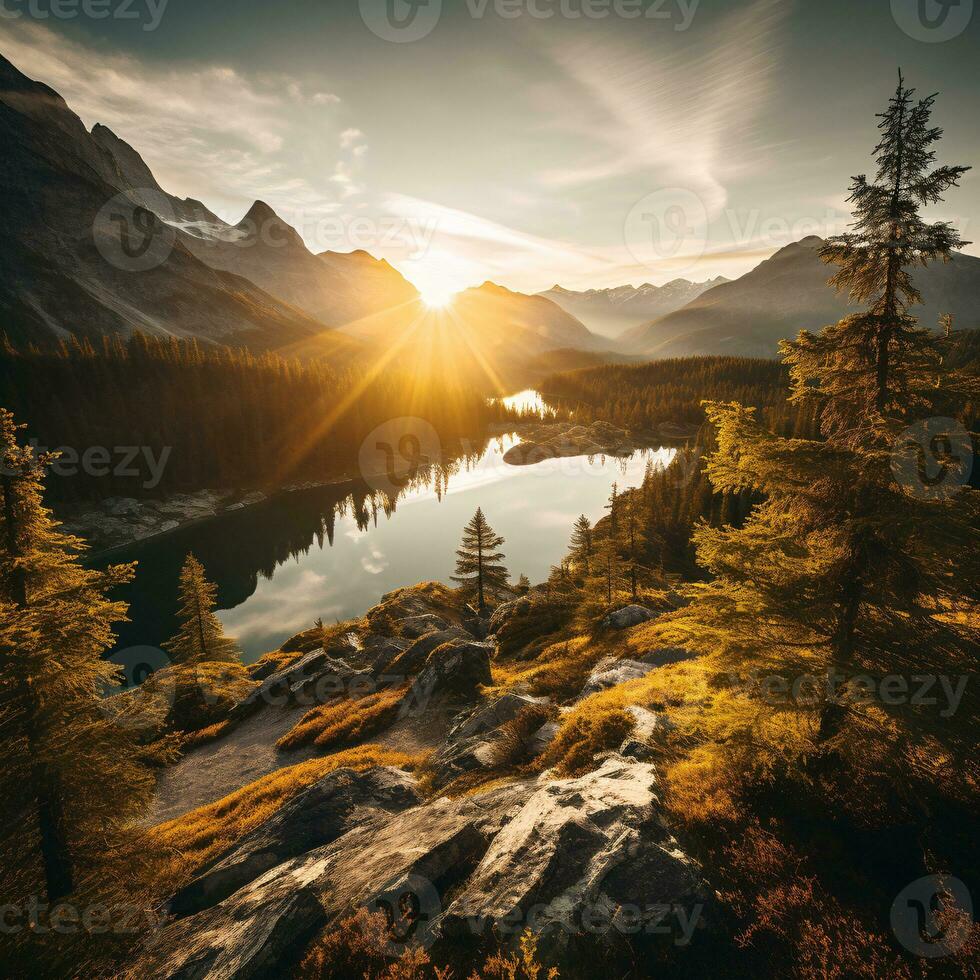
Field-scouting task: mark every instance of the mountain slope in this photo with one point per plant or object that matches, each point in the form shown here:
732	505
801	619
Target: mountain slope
82	254
788	293
611	312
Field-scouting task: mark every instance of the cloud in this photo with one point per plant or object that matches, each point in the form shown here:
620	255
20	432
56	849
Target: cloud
350	137
674	112
205	131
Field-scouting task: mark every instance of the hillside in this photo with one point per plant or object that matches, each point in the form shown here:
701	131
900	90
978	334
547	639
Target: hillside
788	293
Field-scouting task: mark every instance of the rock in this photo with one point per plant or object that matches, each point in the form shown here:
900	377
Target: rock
649	726
506	611
253	934
610	672
469	742
260	930
628	616
455	669
121	506
317	816
284	686
413	659
168	526
579	850
543	737
416	626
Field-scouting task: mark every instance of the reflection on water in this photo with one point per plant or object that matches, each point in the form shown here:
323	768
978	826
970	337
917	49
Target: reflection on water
333	551
528	400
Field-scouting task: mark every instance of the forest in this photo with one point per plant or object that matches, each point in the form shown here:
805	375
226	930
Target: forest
230	418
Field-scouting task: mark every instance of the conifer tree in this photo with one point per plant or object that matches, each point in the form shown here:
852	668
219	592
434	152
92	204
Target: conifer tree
201	637
845	577
875	363
71	779
479	567
581	545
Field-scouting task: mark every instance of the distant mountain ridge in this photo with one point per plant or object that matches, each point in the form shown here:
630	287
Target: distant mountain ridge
611	312
789	292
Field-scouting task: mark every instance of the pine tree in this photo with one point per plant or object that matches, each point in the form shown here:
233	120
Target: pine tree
72	780
844	574
478	562
581	546
874	364
634	542
201	637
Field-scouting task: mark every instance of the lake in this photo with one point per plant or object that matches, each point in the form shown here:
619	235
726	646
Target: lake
332	552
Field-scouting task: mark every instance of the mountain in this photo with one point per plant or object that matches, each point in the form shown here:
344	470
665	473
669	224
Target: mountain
334	288
85	251
488	336
611	312
786	293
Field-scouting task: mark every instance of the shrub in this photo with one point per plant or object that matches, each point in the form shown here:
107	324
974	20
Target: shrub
358	946
345	721
583	736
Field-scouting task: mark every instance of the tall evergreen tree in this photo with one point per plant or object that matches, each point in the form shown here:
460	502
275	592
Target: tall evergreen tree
71	778
873	364
479	567
201	637
844	574
581	545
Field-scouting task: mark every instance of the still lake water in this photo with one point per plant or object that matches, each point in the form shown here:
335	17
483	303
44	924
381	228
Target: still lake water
333	551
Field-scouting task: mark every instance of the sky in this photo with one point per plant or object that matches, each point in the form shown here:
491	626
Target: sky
588	143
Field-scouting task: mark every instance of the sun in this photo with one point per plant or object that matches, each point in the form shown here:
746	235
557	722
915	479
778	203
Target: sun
437	297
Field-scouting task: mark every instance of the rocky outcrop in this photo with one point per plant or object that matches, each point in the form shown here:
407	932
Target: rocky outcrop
610	672
555	440
469	743
558	855
456	669
340	801
413	659
628	616
416	626
579	851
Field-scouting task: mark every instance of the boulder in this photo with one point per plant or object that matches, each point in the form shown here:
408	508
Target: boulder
649	726
469	742
413	659
283	686
416	626
456	669
610	672
320	814
628	616
579	851
255	933
506	611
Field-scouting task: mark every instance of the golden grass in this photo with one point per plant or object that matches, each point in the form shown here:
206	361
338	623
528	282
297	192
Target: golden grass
559	671
345	721
201	835
201	737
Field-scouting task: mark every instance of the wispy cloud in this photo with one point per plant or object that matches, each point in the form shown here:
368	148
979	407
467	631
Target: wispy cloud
677	111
